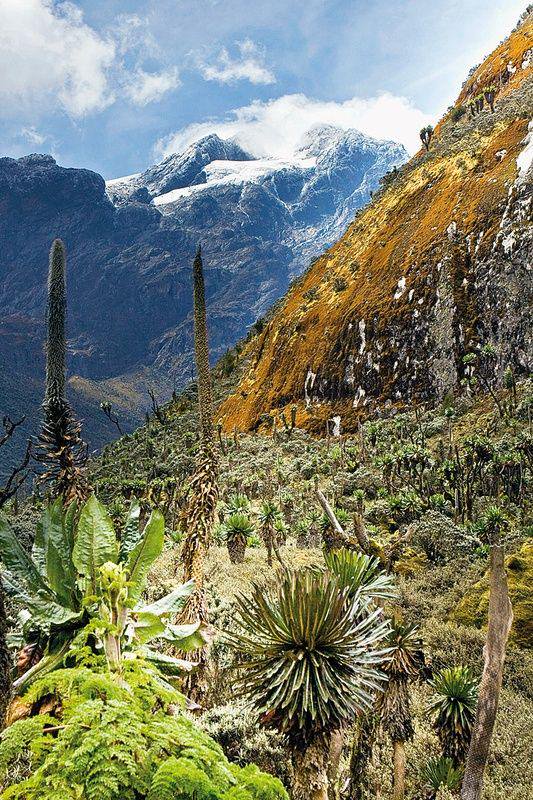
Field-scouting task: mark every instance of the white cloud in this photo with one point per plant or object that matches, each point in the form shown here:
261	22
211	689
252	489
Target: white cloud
48	53
50	57
145	87
133	38
249	65
274	128
32	135
136	43
131	33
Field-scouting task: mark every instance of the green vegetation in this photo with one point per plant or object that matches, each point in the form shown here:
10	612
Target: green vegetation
310	657
453	709
80	577
118	742
419	490
238	529
441	772
337	668
419	486
393	705
472	608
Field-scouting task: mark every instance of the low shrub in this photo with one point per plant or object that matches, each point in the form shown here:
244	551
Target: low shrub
119	739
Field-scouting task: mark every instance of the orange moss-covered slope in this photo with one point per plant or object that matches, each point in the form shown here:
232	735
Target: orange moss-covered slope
435	265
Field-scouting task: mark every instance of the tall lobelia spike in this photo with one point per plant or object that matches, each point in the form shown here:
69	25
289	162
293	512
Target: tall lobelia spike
200	512
56	319
201	349
60	447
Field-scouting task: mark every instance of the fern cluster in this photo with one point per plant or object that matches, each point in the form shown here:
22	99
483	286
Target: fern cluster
119	741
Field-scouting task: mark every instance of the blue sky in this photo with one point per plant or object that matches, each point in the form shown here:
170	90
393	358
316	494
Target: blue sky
113	85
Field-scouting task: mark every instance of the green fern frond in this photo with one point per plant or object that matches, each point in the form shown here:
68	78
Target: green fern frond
180	777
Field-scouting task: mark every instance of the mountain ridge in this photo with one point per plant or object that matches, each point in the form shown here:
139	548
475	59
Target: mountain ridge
128	261
437	265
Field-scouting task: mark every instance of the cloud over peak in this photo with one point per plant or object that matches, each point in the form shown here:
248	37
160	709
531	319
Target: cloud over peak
48	51
275	127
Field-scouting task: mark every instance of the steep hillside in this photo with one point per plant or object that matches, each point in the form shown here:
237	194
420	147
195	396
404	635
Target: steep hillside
130	246
437	266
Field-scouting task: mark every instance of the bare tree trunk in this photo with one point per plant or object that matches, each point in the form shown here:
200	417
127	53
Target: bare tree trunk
399	770
360	532
499	625
335	753
335	524
311	771
363	743
275	547
336	538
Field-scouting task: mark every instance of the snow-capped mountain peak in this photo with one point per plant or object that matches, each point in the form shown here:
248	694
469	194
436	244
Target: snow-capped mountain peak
212	163
303	202
179	170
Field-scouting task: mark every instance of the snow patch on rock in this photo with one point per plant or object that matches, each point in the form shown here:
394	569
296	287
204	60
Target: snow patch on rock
523	162
362	326
400	290
336	425
123	181
359	395
308	386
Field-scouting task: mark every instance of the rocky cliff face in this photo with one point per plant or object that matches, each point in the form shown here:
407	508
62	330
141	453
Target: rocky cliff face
438	265
130	247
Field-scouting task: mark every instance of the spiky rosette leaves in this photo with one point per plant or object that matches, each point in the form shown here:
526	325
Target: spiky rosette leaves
440	772
238	503
273	530
358	572
238	525
238	528
404	662
269	513
406	657
454	708
311	659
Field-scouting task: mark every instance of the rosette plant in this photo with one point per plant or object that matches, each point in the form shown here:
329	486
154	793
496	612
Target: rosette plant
310	656
269	516
360	574
441	772
80	573
393	706
238	529
454	710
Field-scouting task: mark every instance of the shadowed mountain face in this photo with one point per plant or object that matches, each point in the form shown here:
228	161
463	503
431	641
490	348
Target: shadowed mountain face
130	247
